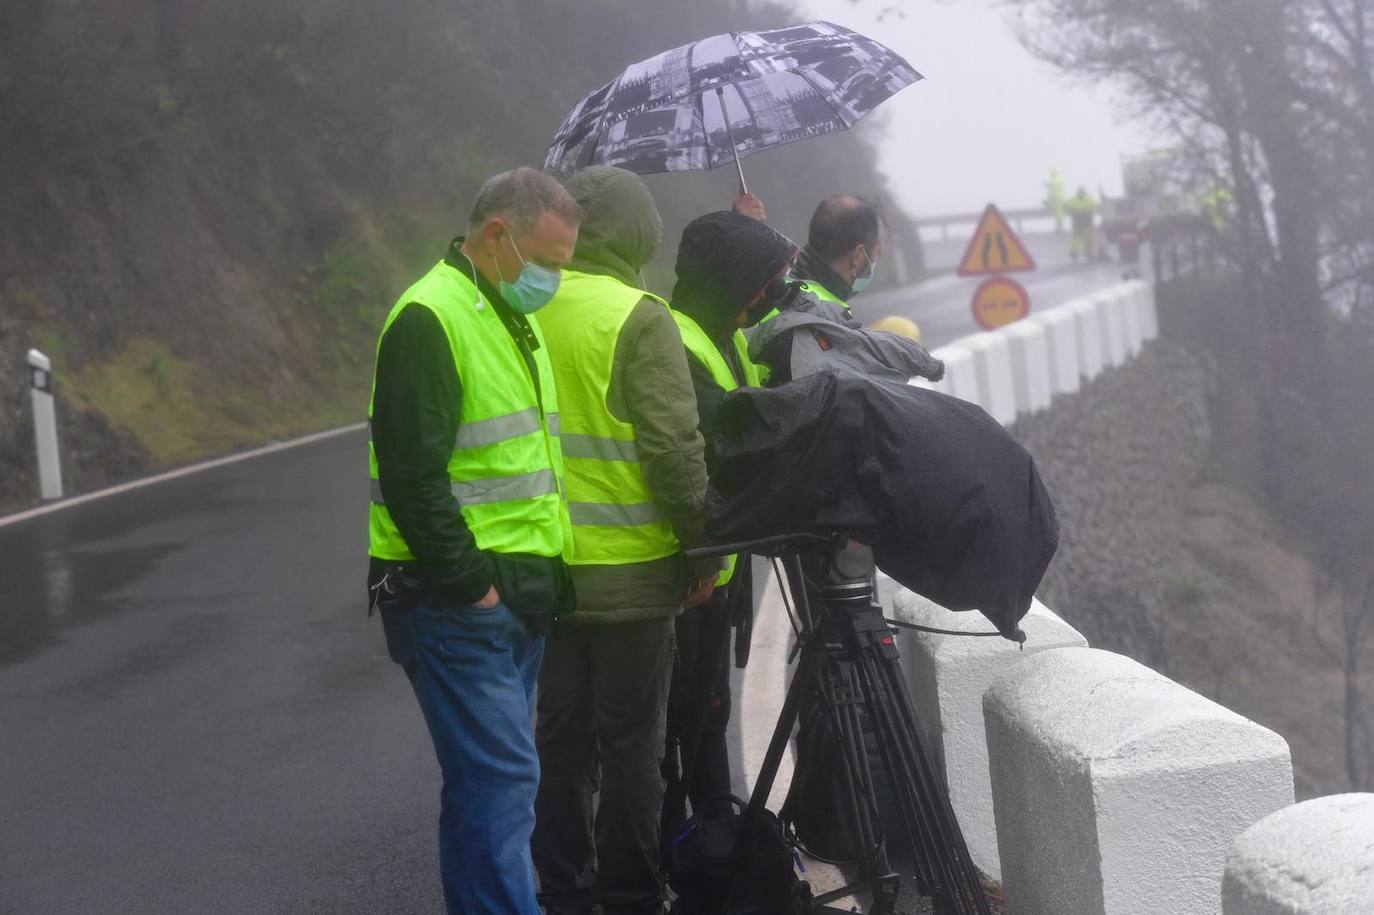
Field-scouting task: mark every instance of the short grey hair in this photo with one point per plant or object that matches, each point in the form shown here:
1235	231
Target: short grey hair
521	196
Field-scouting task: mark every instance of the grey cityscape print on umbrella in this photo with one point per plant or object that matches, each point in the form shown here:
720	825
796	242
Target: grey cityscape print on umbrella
664	113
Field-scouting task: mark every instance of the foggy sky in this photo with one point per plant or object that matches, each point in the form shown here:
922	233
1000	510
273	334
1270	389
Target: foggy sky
988	121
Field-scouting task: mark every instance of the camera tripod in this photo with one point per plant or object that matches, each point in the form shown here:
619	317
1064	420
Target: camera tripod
847	663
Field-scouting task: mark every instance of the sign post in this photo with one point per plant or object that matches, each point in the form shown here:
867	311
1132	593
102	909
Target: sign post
994	250
45	426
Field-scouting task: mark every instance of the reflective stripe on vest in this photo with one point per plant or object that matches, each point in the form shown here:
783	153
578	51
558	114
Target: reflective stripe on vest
497	429
611	514
598	448
615	519
495	489
506	465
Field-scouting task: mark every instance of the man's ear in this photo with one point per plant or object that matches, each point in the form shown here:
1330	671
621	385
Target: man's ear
854	260
489	235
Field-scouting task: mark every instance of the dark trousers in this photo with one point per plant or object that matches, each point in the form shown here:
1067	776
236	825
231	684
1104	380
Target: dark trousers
603	694
698	765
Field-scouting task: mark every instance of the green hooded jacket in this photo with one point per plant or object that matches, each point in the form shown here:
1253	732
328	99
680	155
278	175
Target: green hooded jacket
651	388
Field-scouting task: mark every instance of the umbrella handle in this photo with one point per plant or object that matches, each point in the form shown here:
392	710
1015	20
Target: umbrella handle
724	116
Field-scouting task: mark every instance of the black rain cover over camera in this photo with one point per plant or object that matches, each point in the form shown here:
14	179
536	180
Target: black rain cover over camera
951	505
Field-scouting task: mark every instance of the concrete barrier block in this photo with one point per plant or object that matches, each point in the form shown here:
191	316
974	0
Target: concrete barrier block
1116	790
1314	858
916	381
961	376
1149	317
1061	349
1111	310
948	675
1088	334
1130	318
992	360
1030	365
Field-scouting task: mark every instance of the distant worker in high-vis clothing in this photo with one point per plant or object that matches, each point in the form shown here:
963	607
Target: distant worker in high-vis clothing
1082	209
1054	198
468	524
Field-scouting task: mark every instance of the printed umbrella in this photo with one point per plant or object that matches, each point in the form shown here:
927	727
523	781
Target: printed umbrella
727	97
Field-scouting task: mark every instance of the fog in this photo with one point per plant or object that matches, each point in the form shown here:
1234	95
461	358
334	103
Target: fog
989	121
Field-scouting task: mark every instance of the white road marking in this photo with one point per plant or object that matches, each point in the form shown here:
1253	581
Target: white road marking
174	474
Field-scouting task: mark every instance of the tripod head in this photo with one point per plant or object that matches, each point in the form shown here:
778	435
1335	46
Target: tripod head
846	570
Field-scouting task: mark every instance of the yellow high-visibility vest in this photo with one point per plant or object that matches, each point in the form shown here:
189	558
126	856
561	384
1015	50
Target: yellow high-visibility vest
506	468
615	519
704	351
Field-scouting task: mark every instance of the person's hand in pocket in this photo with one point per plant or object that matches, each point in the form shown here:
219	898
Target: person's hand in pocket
489	600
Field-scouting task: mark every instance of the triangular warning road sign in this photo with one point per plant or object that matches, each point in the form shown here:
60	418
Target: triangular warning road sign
994	248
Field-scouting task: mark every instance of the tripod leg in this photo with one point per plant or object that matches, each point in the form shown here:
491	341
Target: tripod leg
971	884
802	678
874	867
860	778
956	882
920	828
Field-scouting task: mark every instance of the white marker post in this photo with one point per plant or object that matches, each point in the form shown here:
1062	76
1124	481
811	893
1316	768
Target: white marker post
45	426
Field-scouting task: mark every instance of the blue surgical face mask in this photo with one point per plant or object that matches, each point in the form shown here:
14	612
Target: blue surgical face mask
861	282
533	288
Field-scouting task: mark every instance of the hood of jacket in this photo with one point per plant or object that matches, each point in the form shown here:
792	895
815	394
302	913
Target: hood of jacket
724	260
849	344
620	229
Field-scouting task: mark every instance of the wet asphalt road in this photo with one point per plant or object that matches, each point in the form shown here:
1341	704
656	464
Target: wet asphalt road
195	711
941	306
196	714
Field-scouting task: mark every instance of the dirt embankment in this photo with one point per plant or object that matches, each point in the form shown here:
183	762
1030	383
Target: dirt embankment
1168	557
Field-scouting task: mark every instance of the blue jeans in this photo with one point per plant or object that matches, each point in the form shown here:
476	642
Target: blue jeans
474	673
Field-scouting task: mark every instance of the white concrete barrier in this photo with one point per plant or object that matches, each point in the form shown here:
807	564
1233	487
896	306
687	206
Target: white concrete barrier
1149	316
1130	318
1061	349
916	381
1314	858
1113	324
942	385
961	375
1117	790
1087	321
1030	365
991	358
948	675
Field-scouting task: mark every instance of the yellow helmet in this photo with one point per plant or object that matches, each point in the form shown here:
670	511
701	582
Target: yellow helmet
902	327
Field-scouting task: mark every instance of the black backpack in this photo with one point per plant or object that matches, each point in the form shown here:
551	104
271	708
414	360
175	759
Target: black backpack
712	873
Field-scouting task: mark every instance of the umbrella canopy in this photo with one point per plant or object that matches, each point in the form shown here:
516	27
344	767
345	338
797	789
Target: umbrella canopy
728	96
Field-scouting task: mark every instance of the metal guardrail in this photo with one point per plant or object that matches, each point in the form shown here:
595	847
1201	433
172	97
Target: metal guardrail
1014	216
